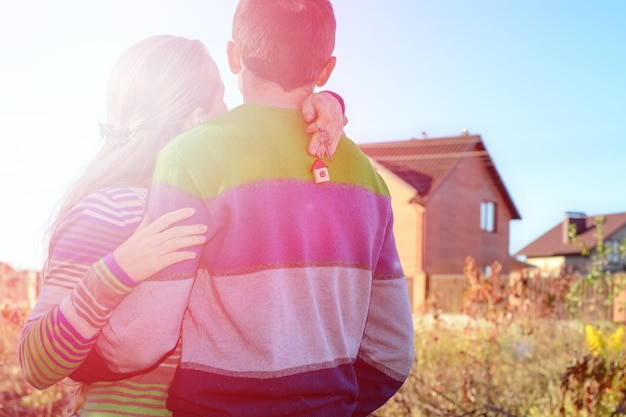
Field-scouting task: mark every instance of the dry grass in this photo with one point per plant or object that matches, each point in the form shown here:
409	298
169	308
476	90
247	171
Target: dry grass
465	367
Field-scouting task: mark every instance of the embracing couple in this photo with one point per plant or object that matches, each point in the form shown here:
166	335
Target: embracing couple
225	263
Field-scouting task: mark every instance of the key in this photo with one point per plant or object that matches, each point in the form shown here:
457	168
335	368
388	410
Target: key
324	148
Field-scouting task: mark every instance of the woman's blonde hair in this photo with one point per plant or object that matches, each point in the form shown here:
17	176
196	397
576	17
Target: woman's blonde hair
153	89
77	399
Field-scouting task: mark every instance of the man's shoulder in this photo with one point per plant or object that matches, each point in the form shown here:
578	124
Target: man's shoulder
218	128
355	166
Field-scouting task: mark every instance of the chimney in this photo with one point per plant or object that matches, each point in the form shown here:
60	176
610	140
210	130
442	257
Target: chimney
576	218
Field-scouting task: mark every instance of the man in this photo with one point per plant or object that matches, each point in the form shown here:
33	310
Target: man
300	306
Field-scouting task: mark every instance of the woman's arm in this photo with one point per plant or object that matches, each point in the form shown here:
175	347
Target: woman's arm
78	294
83	283
324	110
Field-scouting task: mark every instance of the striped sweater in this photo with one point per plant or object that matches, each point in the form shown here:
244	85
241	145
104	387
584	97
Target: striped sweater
301	307
84	291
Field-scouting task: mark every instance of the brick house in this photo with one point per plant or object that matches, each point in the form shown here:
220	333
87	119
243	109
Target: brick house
554	251
449	203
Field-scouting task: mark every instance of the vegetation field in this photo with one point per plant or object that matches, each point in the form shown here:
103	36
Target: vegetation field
521	348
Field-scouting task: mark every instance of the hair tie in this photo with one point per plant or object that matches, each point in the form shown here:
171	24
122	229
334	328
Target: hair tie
113	137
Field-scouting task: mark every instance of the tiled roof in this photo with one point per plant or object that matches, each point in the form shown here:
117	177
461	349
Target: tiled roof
425	163
552	242
517	265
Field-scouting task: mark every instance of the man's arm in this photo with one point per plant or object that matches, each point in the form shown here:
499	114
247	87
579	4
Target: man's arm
387	353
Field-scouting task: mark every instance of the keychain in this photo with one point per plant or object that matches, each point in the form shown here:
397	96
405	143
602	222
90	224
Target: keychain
319	168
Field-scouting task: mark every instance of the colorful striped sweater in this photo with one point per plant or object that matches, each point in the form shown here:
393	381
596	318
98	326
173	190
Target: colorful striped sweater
84	291
304	310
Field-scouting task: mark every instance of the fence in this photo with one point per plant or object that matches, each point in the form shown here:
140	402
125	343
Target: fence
445	292
604	301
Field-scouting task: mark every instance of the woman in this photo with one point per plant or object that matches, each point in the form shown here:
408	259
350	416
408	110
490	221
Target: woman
99	252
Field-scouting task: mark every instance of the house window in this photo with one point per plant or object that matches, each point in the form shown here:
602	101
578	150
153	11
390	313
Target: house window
613	254
488	216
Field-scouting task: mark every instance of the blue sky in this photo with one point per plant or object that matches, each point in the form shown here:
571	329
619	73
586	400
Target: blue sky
543	83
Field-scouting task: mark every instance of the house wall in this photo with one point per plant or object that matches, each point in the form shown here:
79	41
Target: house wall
577	263
408	219
547	264
620	235
405	219
433	242
452	221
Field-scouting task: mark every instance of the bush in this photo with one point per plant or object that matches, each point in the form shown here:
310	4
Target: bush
17	397
516	351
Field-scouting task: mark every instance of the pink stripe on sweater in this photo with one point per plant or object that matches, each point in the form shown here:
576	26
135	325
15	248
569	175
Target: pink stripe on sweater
333	235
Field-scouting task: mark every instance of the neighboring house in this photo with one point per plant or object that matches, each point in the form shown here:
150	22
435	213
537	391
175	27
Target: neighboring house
553	251
449	203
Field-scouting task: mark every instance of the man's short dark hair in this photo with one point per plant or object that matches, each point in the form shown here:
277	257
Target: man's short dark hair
287	42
